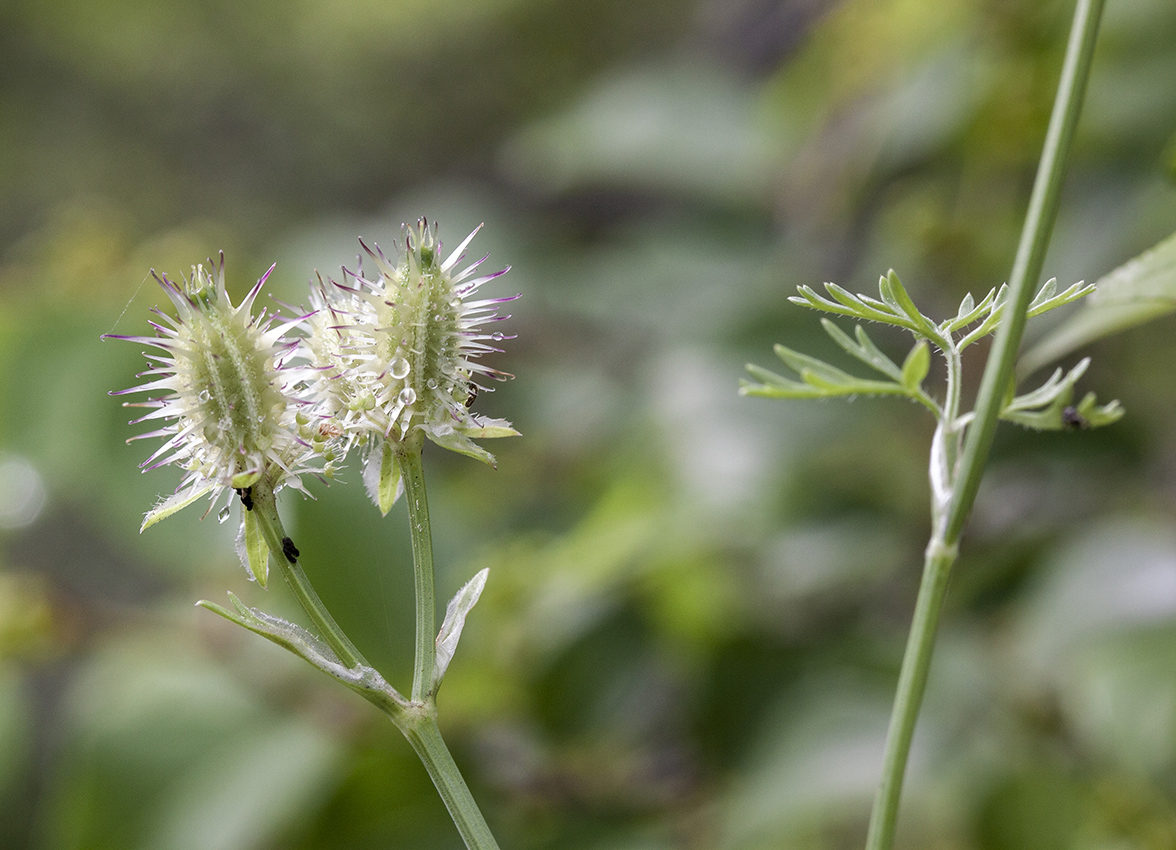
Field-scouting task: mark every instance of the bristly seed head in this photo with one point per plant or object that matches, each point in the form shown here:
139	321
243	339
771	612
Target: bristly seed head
398	353
237	415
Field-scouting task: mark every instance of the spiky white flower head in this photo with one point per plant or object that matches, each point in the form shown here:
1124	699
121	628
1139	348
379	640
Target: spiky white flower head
237	414
397	354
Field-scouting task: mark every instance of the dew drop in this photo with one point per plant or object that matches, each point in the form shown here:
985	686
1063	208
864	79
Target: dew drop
431	383
407	396
223	515
398	368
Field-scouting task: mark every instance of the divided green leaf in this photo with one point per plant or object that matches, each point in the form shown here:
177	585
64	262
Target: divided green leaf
1049	408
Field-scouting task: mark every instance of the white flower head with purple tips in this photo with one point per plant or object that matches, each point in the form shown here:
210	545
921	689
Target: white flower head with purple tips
397	354
236	411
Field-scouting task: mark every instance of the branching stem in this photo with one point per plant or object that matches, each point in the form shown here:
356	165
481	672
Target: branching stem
425	737
270	523
418	719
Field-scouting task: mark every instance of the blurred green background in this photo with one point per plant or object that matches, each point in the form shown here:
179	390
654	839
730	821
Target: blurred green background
697	602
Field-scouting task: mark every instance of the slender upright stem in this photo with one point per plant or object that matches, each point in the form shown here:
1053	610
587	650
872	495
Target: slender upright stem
419	725
275	537
408	455
965	481
1039	221
426	739
912	683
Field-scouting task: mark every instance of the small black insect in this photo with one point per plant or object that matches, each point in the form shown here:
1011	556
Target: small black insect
472	397
246	494
289	550
1072	420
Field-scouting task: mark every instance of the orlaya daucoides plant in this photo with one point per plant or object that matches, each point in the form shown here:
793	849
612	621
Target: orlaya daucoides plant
251	404
962	440
1050	407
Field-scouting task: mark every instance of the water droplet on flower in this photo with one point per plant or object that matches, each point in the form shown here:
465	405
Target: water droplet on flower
398	368
203	395
431	383
407	396
223	515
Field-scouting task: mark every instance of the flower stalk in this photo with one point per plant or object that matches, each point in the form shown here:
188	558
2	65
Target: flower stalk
285	555
408	456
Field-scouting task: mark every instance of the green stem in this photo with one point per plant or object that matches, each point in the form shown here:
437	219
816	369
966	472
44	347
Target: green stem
426	739
408	455
266	508
1039	221
941	552
420	724
912	683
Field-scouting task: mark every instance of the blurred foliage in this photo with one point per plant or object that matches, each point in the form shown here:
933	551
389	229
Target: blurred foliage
697	603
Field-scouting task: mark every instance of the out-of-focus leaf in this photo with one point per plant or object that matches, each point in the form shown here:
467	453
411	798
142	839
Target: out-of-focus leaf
1114	577
818	756
164	750
244	796
15	729
1138	291
1041	808
1121	697
642	129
